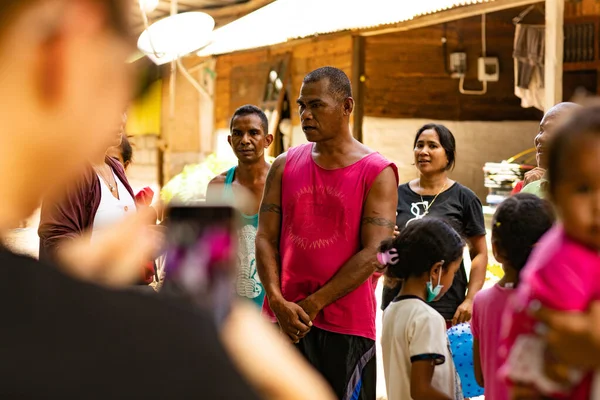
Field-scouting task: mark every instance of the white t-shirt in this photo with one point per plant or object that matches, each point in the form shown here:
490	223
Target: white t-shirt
414	331
112	210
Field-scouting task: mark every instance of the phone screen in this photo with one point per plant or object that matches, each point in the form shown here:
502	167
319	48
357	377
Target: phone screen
201	256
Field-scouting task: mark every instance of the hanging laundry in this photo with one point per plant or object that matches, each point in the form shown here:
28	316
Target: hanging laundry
528	53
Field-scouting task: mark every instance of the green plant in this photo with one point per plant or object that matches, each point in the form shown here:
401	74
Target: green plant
192	182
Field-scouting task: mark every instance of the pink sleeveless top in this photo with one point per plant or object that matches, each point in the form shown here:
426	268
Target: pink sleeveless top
320	231
561	274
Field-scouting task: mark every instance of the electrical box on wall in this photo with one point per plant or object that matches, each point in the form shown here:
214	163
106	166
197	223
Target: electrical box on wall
458	64
488	69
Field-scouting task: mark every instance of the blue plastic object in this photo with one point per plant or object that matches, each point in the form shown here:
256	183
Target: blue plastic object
461	344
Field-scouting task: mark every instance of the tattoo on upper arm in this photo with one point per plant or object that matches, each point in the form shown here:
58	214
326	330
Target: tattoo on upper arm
386	223
274	208
271	175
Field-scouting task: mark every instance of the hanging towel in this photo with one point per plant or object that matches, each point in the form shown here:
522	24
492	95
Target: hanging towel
528	53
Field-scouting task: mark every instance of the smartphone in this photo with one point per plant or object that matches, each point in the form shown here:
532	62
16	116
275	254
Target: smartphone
201	257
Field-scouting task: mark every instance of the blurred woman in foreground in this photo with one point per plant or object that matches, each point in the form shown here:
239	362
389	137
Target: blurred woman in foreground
96	201
64	84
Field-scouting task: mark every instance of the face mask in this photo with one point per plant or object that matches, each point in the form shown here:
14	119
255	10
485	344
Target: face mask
433	292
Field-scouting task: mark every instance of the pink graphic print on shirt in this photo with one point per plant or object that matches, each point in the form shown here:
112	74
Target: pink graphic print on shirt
321	218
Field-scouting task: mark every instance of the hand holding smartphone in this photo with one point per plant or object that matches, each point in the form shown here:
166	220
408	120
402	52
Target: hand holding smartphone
201	258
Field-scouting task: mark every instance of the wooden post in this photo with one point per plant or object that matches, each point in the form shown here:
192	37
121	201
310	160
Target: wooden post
358	85
555	10
207	77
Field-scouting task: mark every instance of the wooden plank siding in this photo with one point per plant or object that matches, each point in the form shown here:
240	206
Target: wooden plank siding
241	77
406	77
582	8
405	73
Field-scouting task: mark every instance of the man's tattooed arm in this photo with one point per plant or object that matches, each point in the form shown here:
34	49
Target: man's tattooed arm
271	207
271	176
274	208
379	222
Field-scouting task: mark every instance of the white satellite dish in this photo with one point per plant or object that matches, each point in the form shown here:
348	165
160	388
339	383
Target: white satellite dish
175	36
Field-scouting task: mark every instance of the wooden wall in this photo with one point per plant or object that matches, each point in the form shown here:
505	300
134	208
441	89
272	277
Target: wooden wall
582	8
405	71
242	77
406	76
578	77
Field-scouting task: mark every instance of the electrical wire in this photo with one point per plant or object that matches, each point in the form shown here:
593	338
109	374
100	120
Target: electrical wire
461	85
191	79
146	28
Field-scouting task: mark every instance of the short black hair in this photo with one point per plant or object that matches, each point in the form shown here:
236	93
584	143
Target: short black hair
583	122
339	85
446	140
126	149
421	244
249	109
518	224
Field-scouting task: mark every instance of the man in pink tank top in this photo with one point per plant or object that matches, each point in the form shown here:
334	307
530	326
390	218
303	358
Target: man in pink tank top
326	208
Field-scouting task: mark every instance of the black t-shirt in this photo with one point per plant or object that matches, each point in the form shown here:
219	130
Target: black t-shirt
461	208
61	338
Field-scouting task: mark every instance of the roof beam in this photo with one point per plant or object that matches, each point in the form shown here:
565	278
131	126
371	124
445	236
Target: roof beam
221	15
237	10
447	16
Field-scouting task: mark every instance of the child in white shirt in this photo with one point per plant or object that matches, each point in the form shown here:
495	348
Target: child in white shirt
416	354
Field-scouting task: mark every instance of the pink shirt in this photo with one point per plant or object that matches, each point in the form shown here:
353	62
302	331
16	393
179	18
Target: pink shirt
488	308
320	231
563	275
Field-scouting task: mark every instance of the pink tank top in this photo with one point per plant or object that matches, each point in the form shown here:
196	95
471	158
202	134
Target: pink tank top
320	231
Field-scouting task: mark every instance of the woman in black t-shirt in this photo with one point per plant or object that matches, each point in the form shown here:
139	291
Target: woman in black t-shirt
433	194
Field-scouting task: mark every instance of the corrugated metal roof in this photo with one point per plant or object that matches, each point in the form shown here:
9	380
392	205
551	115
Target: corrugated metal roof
163	9
285	20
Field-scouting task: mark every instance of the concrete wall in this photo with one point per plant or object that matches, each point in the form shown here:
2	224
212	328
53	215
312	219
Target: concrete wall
144	169
476	142
189	130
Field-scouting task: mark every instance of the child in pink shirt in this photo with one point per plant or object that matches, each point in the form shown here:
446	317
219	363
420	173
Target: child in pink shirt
519	222
563	272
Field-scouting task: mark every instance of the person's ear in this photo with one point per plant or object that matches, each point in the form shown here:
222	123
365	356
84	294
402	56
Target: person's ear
268	140
229	140
496	252
348	106
71	24
126	164
436	270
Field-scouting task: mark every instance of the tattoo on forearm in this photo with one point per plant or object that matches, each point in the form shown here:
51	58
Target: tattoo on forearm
274	208
379	222
271	175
